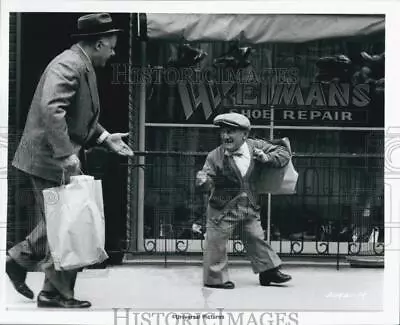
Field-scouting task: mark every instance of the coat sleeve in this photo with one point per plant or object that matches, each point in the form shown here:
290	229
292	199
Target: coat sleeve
92	140
58	94
99	129
278	155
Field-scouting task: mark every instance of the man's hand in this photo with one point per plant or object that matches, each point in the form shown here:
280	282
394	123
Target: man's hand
115	144
71	164
201	178
196	228
260	155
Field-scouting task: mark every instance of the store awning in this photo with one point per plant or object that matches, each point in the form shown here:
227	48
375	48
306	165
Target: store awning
260	28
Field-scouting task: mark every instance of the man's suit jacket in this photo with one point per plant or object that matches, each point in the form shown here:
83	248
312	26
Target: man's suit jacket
226	182
63	116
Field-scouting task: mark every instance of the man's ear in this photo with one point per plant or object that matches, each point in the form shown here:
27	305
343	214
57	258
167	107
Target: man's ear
97	45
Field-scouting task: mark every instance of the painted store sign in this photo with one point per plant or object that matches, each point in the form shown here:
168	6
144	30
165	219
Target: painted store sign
318	103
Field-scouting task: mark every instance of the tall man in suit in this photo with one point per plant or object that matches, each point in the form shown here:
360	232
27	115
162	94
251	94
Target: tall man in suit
230	172
62	120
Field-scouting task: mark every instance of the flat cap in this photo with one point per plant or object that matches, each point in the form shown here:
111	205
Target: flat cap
232	119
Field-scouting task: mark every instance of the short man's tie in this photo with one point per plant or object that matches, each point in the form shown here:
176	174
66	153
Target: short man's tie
233	154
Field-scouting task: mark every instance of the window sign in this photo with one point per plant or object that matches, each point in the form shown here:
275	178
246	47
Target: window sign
304	87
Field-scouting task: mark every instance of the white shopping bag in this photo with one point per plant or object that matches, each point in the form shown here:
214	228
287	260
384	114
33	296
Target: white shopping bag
75	223
278	180
289	182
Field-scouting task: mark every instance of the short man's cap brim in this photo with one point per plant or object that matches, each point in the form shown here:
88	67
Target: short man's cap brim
230	124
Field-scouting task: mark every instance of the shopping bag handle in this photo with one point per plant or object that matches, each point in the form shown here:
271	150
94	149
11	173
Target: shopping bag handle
63	176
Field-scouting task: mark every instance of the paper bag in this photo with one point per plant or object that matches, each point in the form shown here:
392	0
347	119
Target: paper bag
278	180
75	223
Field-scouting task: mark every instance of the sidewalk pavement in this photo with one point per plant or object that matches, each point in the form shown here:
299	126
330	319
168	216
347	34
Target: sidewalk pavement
178	287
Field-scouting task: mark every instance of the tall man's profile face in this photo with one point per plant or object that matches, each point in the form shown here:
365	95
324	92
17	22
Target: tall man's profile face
232	138
105	49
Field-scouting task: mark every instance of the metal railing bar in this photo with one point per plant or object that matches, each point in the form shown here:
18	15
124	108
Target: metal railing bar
295	155
277	127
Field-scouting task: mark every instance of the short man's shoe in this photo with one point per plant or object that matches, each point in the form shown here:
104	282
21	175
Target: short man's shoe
17	275
50	300
226	285
274	276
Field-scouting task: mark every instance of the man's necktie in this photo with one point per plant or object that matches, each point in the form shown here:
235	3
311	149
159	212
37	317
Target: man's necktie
234	154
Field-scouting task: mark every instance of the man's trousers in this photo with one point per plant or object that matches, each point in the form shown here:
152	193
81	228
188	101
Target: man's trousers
34	253
220	227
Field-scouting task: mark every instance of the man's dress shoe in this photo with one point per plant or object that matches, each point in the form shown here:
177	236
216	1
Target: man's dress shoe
50	300
226	285
274	276
17	275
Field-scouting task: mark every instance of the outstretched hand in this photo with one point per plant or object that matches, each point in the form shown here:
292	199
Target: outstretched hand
115	143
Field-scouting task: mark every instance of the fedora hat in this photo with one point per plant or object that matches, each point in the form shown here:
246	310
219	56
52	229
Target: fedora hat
95	24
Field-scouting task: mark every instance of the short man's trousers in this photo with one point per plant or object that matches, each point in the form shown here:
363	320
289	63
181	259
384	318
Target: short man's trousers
219	230
34	252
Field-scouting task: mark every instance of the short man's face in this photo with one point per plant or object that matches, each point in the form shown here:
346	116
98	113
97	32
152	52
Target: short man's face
232	138
106	49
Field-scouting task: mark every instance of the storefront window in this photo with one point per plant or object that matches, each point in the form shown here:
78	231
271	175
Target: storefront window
335	129
341	175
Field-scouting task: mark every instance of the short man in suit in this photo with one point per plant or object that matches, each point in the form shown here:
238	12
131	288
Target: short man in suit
62	121
229	173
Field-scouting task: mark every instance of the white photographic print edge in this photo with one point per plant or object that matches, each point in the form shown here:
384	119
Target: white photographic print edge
391	10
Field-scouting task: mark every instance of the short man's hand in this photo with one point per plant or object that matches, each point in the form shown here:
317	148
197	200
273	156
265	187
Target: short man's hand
260	155
201	178
71	164
115	143
196	228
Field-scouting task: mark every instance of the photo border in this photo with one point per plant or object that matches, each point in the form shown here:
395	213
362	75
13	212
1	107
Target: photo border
391	9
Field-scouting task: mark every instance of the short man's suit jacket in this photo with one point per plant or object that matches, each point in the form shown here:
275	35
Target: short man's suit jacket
63	116
225	180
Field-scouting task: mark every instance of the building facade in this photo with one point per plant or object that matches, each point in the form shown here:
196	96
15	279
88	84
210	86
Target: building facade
333	114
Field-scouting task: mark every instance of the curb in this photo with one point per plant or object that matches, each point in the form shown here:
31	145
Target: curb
194	262
366	262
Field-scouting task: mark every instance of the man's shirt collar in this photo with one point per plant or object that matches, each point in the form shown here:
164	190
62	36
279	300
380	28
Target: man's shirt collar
242	151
